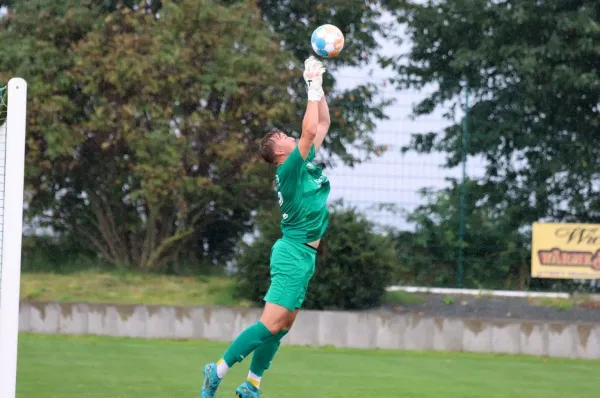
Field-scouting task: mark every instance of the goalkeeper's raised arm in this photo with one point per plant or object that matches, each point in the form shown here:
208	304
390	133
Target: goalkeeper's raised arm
314	124
324	122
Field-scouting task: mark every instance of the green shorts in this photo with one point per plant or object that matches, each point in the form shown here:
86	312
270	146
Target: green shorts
292	267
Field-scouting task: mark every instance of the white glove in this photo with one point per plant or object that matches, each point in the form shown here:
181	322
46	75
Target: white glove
313	75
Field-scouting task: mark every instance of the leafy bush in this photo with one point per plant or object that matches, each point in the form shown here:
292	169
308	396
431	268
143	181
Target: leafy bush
354	264
57	254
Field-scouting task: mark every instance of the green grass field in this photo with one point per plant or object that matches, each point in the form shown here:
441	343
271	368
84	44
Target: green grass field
94	367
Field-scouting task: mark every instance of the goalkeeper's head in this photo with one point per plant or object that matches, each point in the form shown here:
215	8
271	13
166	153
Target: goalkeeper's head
276	146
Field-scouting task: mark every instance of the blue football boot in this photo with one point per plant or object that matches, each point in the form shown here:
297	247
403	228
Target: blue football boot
211	381
247	390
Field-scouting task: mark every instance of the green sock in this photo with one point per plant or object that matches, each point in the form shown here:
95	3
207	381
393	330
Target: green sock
246	342
264	354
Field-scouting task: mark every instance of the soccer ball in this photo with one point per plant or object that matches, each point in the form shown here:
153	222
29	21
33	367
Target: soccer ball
327	41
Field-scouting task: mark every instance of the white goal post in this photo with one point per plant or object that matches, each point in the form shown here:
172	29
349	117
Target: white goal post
12	173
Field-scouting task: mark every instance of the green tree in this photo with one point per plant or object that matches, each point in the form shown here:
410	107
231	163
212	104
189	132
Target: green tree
354	264
144	130
531	68
131	132
496	254
532	72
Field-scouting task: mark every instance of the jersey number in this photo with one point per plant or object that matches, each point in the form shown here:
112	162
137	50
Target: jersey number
280	197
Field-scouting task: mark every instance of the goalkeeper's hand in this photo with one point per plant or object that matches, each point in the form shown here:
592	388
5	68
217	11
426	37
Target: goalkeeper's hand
313	75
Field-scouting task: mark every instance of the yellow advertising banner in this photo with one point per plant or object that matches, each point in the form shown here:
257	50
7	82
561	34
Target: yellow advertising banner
565	251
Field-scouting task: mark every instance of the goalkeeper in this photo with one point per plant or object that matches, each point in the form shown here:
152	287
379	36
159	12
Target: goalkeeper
302	190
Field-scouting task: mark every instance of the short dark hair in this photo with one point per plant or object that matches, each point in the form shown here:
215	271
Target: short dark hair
267	146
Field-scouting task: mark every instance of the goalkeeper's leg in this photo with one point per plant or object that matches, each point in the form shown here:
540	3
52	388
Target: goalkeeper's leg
261	361
289	283
264	354
273	319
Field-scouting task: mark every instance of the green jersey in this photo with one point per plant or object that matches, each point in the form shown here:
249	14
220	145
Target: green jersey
302	190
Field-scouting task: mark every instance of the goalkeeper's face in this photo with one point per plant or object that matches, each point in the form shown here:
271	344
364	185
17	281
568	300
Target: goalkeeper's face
285	145
276	146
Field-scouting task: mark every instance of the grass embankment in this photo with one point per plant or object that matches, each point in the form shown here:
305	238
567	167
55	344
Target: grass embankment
94	286
134	288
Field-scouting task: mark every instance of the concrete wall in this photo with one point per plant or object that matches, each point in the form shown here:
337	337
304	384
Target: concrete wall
318	328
